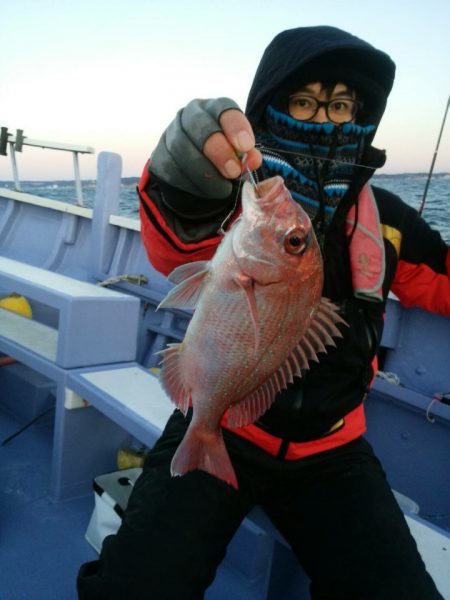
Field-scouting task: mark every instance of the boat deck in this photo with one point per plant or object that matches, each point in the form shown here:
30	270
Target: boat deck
41	543
46	497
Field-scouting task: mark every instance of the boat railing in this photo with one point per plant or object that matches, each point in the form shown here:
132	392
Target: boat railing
17	141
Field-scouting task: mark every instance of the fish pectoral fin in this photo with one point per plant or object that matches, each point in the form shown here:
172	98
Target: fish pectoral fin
204	451
247	285
190	278
171	379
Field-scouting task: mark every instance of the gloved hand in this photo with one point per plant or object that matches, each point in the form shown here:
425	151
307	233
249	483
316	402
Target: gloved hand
197	152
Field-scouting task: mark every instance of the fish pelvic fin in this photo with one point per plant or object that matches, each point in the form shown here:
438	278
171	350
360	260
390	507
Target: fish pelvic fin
171	379
319	334
204	451
190	279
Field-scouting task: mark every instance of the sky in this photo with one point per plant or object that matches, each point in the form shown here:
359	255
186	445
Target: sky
112	74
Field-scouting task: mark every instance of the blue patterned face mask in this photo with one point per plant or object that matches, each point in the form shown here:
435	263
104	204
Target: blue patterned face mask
316	160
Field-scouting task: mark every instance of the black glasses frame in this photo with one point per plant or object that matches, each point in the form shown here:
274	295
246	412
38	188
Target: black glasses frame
326	103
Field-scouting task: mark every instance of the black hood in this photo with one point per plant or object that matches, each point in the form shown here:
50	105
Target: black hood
322	53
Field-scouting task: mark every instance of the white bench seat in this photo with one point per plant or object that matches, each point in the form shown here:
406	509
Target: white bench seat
129	395
32	335
95	325
434	546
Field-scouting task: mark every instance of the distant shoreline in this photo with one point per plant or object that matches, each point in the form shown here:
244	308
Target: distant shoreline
134	180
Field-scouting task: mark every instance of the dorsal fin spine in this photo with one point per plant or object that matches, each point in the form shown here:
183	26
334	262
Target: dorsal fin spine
328	340
315	339
310	350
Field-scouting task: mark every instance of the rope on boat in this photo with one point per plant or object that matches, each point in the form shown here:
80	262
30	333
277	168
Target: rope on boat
134	279
443	399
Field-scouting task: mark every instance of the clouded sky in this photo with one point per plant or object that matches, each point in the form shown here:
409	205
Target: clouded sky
112	73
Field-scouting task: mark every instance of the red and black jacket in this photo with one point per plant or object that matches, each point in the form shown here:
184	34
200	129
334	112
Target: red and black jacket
324	408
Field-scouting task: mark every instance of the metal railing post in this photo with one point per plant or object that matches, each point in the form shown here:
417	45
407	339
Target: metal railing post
78	188
14	167
17	142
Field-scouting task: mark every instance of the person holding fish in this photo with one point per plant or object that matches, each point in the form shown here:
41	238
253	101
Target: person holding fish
267	224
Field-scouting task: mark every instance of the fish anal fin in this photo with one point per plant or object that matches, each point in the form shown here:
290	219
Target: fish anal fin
190	279
170	377
206	452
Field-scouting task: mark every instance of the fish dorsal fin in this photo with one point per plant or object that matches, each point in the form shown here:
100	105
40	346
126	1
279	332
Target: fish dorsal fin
248	410
190	279
319	334
170	378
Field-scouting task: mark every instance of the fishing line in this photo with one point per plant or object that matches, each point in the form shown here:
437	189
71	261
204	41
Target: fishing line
246	173
304	155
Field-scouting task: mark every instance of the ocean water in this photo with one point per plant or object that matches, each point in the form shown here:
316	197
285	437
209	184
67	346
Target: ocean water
409	186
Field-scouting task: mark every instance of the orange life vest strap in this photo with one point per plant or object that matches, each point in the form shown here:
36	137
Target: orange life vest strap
352	426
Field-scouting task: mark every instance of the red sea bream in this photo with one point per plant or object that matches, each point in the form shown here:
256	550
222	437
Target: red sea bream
259	318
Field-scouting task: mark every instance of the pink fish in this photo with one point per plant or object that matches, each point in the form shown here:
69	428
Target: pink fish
259	318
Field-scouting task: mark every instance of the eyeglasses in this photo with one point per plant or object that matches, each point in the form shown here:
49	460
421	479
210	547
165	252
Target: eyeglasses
339	110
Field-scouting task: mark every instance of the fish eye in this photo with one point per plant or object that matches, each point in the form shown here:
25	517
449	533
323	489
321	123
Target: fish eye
295	241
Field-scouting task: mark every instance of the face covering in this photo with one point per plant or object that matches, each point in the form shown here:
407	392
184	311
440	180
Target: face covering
316	160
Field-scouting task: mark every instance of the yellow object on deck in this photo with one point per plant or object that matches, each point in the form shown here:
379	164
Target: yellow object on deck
128	458
17	304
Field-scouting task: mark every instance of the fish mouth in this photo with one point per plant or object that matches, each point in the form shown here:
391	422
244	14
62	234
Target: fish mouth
270	188
274	192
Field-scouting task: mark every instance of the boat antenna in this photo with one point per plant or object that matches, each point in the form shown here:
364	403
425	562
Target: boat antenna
422	204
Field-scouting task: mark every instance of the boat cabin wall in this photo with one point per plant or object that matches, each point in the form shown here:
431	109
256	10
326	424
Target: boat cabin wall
407	425
416	348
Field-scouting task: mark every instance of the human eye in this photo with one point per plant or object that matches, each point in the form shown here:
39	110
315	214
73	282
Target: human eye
302	107
302	102
342	106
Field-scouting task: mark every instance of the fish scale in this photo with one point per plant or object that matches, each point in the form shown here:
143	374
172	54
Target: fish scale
239	340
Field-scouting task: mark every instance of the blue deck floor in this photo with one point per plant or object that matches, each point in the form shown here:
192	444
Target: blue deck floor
41	543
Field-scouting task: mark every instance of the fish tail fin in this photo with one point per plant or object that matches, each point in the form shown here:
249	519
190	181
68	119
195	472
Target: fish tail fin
206	452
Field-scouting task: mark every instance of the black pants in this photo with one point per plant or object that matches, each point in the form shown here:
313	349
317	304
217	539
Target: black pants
335	509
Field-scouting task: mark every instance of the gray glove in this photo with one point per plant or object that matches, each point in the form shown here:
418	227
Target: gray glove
178	158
